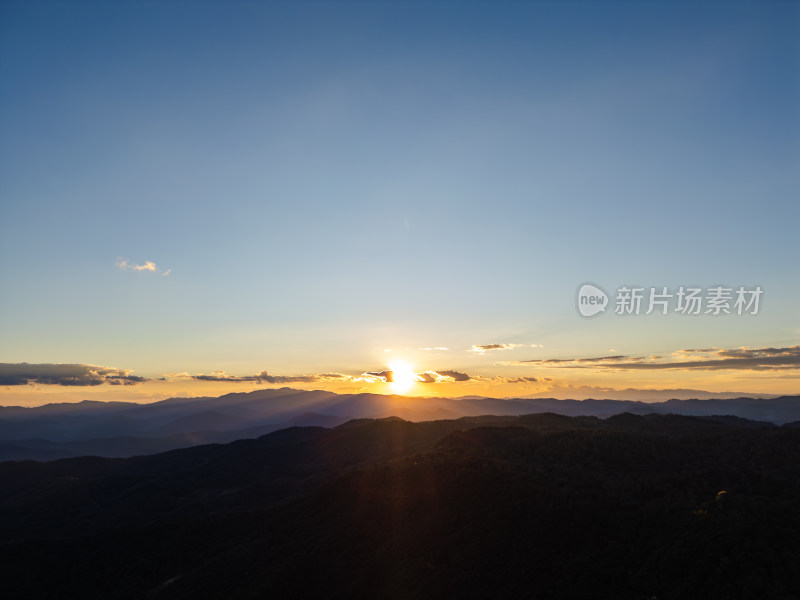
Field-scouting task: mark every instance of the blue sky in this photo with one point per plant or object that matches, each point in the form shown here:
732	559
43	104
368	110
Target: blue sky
325	181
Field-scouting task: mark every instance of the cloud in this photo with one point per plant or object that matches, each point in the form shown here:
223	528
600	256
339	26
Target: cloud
454	375
559	361
438	348
262	377
125	265
383	376
65	374
428	377
387	376
125	379
424	377
12	374
499	379
265	377
483	348
744	358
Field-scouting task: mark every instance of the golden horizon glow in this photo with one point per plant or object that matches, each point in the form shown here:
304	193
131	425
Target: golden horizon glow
403	376
638	386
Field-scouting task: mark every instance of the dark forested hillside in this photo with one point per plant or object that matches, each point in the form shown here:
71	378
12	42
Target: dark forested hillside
538	506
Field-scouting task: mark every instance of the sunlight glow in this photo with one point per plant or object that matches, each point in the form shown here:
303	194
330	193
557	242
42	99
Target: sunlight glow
403	376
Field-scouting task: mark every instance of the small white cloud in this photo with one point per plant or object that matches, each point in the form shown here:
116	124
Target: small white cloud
149	265
484	348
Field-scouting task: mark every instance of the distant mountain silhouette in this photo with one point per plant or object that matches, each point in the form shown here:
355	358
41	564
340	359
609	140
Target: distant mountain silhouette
652	395
209	420
120	429
126	446
540	506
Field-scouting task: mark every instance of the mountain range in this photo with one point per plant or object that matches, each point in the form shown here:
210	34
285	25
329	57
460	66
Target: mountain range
123	429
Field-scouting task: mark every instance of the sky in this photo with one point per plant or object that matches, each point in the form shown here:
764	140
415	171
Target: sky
396	197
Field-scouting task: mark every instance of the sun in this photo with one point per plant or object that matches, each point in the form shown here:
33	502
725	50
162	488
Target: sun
403	376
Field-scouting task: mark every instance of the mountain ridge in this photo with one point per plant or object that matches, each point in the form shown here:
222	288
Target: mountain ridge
182	422
542	505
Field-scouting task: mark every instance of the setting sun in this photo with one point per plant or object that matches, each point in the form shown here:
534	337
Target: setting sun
403	376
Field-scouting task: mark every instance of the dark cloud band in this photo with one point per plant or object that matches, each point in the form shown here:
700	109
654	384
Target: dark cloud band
758	359
65	374
262	377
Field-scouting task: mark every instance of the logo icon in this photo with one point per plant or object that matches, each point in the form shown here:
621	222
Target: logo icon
591	300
